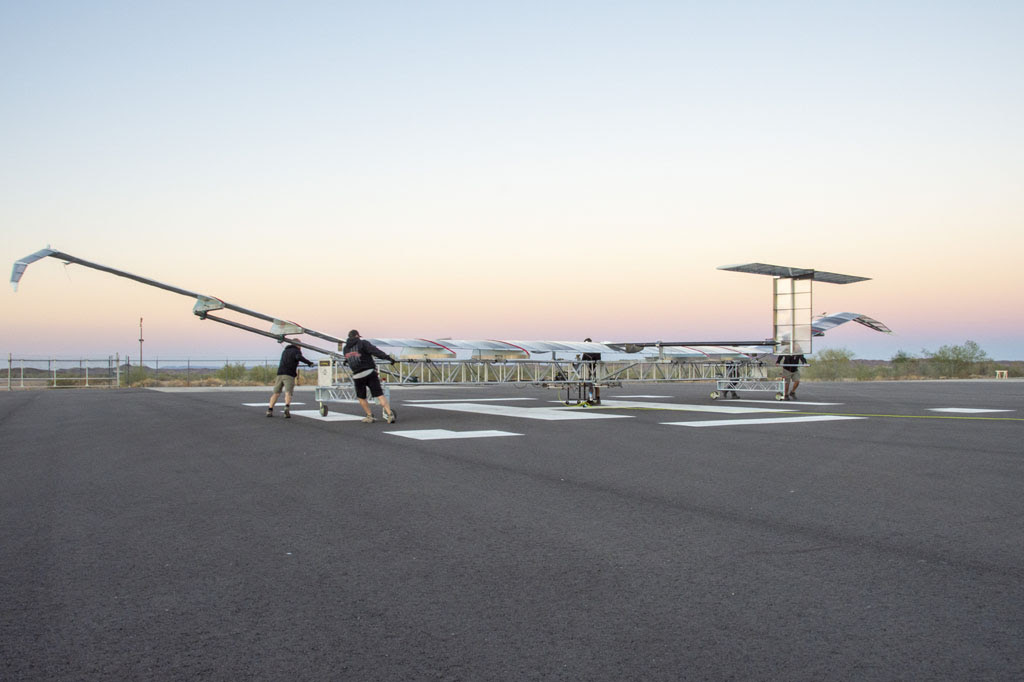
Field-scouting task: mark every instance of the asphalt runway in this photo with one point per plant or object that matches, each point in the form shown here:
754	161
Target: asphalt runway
492	534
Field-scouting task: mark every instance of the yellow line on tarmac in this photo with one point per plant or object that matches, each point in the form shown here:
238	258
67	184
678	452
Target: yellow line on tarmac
917	416
831	414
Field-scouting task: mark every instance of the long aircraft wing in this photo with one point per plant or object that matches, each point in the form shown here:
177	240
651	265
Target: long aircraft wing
204	305
450	348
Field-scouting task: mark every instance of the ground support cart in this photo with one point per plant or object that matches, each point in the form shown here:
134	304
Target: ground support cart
746	376
725	386
334	385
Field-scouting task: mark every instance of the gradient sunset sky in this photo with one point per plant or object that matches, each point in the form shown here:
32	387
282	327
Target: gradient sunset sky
526	170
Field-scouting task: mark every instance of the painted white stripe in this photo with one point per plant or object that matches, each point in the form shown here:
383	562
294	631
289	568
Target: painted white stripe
965	410
279	406
542	413
763	421
445	434
466	400
717	409
633	397
331	416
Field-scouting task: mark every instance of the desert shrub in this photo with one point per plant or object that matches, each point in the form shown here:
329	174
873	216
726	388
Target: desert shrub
136	376
232	373
904	365
830	364
262	374
957	361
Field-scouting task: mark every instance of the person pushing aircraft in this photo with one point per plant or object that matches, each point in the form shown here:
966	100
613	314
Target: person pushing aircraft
287	373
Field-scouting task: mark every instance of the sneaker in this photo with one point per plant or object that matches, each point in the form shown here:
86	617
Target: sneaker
391	417
792	396
270	412
287	412
368	420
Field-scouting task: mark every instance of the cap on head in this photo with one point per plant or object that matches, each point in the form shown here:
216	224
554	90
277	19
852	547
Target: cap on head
354	334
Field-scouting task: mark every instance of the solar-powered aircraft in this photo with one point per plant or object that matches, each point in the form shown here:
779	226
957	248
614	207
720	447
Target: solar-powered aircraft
445	361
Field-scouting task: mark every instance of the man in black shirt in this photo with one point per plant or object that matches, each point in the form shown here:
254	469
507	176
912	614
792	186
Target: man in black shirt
287	371
590	361
790	373
359	355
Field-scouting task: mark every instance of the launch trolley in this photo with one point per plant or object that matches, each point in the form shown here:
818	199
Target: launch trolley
747	377
334	385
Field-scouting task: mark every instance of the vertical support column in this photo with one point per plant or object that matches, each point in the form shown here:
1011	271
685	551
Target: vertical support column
792	315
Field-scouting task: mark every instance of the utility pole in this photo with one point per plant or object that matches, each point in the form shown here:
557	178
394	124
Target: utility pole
141	370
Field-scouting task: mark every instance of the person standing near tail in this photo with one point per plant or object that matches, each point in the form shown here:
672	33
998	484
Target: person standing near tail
790	373
287	371
590	361
359	355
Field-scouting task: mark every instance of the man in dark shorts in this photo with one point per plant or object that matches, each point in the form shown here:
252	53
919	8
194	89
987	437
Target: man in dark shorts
359	355
790	373
287	371
590	361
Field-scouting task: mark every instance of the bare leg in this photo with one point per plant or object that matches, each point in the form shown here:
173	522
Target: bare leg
365	404
384	403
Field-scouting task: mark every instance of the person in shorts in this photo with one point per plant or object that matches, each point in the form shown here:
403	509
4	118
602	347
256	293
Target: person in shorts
790	374
287	371
590	361
359	355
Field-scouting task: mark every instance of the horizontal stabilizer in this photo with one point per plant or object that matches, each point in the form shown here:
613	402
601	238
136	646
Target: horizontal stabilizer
795	273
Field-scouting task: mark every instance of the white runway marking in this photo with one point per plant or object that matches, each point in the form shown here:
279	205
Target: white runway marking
309	414
542	413
718	409
767	420
331	416
445	434
465	400
631	397
965	410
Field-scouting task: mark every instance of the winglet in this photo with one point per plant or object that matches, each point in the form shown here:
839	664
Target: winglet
824	323
21	265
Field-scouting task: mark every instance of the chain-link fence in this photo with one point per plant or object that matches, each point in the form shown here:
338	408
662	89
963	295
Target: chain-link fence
61	373
116	371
